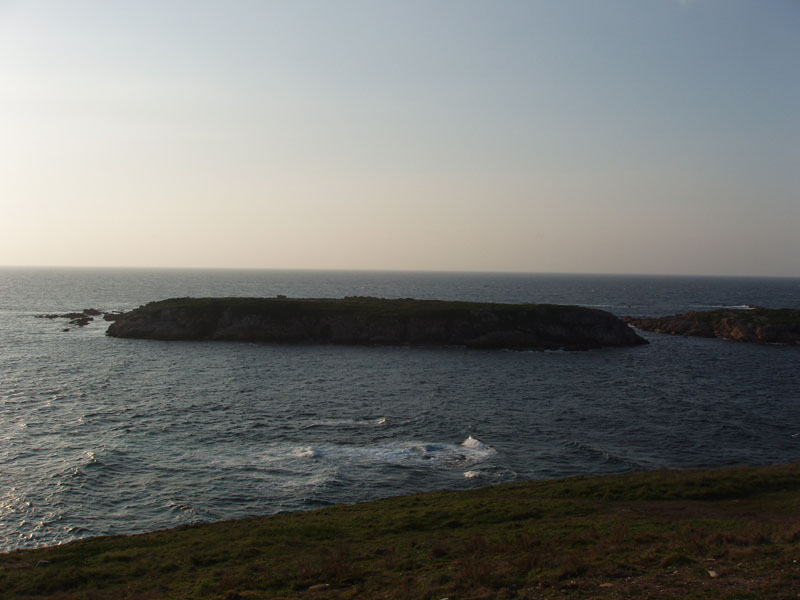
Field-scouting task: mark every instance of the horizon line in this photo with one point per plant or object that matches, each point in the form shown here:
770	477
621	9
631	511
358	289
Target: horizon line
396	270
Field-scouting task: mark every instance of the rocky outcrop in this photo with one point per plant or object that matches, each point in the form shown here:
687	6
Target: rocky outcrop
755	325
364	320
83	318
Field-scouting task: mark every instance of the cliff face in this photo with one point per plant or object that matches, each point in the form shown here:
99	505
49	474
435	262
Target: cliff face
357	320
758	325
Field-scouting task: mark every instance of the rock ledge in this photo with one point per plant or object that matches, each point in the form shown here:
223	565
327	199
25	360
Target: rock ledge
754	325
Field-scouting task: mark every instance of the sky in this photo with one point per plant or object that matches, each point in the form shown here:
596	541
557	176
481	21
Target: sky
594	136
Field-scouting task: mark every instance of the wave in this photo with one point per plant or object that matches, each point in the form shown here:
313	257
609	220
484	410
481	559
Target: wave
469	451
377	422
307	452
181	508
474	444
726	306
603	456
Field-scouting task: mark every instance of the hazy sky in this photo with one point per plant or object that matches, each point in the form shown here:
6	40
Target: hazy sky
610	136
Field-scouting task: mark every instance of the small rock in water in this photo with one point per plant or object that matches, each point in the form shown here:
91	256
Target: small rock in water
81	321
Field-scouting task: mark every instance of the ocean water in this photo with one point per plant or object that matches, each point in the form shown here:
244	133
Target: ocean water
101	435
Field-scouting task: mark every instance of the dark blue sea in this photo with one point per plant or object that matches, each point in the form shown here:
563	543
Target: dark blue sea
101	435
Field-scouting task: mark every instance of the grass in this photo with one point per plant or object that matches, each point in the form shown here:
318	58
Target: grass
726	533
367	320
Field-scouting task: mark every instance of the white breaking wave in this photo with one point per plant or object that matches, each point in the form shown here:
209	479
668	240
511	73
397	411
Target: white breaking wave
400	453
475	444
307	452
347	422
728	306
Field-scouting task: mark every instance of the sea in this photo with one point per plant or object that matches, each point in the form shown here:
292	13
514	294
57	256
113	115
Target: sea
100	435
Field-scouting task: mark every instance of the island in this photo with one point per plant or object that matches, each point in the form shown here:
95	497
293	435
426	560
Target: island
754	324
363	320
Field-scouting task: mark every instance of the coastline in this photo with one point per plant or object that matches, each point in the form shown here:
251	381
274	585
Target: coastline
750	324
723	533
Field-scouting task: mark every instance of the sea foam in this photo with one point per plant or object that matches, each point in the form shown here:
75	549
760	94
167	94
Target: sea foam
474	444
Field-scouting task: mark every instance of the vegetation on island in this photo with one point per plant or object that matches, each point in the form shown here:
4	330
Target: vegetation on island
367	320
721	533
367	306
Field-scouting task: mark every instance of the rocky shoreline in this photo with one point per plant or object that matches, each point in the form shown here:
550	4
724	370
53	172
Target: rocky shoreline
82	318
377	321
754	325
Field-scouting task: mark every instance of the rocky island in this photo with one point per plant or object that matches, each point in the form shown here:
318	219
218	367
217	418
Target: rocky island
376	321
755	325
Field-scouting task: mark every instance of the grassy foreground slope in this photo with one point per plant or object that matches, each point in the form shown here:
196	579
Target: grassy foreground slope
724	533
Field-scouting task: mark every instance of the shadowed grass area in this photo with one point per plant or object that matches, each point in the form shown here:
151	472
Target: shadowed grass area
724	533
364	305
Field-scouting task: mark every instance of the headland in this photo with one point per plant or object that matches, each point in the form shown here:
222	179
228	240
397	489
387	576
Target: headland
755	325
